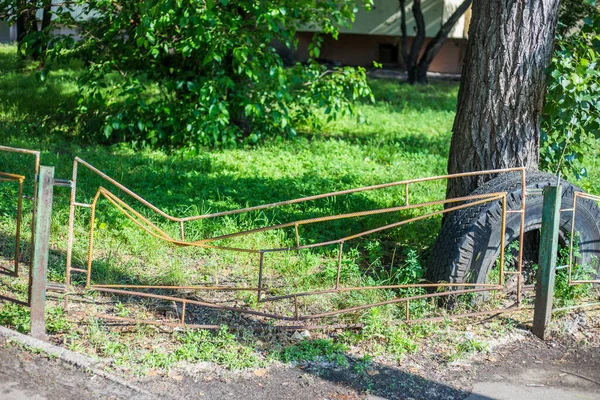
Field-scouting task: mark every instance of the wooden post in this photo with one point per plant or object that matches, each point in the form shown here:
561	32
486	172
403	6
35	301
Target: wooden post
547	268
39	266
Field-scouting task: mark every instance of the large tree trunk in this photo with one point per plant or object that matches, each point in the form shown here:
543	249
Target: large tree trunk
501	89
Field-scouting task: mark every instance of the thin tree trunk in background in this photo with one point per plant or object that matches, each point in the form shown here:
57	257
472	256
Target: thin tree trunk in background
404	43
417	43
47	16
501	89
26	21
21	21
434	46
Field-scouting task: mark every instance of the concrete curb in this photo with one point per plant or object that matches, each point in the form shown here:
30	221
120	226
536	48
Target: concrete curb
68	356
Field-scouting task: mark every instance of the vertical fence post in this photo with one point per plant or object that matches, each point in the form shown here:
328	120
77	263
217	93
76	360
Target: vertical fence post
547	260
39	266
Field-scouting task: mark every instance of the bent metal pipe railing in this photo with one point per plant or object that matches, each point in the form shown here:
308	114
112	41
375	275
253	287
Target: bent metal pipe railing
587	196
21	179
6	176
152	229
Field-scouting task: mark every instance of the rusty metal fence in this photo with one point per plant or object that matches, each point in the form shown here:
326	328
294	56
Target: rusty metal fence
10	177
261	290
266	294
585	274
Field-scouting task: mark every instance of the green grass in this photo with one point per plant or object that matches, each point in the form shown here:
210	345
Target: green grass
406	136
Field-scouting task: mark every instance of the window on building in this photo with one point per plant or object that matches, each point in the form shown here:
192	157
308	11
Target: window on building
387	53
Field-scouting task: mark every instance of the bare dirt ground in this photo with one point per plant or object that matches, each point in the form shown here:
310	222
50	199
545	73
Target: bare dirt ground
530	365
522	366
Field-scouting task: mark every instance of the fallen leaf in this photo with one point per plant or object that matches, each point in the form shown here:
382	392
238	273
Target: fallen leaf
260	372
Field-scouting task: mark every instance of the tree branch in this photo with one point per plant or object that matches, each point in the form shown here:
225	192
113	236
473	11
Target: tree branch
434	46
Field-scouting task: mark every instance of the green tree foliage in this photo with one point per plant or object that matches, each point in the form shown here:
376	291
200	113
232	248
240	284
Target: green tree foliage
572	106
189	73
573	12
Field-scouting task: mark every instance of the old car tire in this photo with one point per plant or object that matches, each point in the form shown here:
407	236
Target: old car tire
468	245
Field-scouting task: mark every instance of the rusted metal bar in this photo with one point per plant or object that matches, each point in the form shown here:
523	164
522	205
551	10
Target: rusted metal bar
88	278
155	230
183	287
486	196
587	196
37	286
383	287
13	300
177	325
571	263
36	172
502	240
195	302
393	301
18	233
296	311
63	183
287	202
70	234
467	315
339	265
580	282
21	151
19	179
572	239
587	305
260	275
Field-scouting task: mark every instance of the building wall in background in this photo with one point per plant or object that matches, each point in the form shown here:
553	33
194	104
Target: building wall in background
375	36
384	19
351	49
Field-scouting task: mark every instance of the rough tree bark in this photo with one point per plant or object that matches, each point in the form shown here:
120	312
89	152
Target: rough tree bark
502	89
417	67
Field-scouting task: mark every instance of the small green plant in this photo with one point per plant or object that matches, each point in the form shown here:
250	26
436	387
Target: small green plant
315	350
121	310
362	365
467	347
56	321
566	294
15	316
